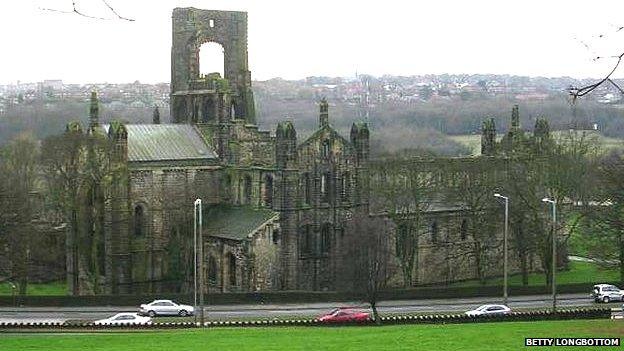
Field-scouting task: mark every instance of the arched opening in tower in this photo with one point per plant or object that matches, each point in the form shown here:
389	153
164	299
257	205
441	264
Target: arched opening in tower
211	59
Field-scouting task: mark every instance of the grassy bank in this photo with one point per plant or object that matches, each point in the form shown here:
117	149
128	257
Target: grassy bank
579	272
52	288
481	336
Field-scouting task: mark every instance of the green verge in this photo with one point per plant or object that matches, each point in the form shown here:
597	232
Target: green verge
38	289
579	272
478	336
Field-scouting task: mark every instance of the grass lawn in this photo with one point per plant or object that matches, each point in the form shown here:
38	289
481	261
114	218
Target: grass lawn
473	141
53	288
579	272
478	336
609	143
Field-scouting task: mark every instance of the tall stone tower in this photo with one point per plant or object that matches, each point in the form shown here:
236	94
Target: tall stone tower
324	113
515	118
488	137
94	112
360	139
286	201
210	99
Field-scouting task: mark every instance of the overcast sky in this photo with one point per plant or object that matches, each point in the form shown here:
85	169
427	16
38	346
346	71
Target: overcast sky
295	39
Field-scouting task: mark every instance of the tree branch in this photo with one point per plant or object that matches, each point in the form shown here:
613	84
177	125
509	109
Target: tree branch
582	91
76	11
116	13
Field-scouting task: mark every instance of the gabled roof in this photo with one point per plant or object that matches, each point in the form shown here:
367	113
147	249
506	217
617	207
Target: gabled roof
320	131
235	222
166	142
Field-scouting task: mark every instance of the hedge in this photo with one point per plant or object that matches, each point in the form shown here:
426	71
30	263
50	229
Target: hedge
291	296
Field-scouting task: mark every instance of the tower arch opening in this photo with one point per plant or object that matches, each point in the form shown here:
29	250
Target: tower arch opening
211	59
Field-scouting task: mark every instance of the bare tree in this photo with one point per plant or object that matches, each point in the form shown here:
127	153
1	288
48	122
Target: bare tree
18	163
559	169
403	191
78	173
606	215
62	159
368	261
475	185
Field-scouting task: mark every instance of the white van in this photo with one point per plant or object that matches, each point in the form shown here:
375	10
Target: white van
606	293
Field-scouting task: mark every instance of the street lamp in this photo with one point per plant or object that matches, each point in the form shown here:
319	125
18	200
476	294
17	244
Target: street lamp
13	292
506	198
554	251
198	224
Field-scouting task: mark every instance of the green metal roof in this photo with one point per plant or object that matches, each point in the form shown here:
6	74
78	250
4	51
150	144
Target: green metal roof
235	223
166	142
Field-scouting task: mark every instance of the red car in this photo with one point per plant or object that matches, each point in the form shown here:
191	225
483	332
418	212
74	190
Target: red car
344	315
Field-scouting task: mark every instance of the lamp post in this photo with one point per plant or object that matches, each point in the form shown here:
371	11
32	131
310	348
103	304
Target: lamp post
198	201
506	198
13	293
198	224
554	251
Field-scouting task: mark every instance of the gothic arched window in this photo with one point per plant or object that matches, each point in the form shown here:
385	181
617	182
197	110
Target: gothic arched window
463	230
139	221
268	191
325	238
247	189
305	186
208	110
232	269
306	240
227	185
434	231
325	186
276	236
212	270
346	183
325	148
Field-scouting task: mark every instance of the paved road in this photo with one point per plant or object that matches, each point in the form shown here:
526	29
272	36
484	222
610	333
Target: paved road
222	312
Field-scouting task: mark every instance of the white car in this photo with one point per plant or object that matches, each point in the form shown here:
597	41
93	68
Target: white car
606	293
489	310
124	318
165	308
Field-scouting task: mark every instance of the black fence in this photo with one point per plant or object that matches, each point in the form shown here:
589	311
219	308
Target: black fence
290	296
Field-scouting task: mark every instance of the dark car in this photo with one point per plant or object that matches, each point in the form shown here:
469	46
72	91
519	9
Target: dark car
344	315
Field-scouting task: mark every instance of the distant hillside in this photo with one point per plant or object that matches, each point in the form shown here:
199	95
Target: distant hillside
410	114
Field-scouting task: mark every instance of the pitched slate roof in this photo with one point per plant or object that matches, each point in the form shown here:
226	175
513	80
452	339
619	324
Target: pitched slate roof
235	222
166	142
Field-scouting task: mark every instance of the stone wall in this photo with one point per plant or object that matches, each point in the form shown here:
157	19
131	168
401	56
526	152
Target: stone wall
320	183
249	147
159	205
